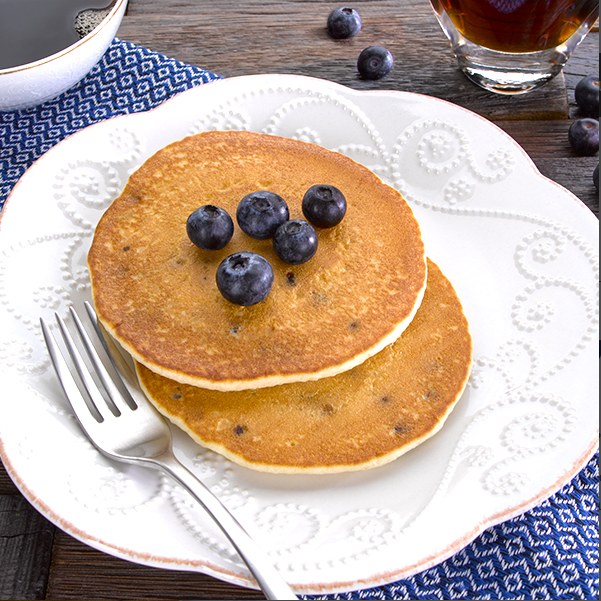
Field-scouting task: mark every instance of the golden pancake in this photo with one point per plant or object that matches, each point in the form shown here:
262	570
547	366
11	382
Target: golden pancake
356	420
155	292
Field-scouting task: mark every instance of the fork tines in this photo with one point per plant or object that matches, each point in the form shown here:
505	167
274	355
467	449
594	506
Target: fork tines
105	398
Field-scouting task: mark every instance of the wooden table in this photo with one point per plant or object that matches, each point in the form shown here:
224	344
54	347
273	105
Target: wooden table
240	37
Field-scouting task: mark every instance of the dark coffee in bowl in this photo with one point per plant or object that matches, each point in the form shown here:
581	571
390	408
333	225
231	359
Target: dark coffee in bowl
31	30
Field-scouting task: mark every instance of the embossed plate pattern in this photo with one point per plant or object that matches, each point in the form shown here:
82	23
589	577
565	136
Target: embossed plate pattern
520	250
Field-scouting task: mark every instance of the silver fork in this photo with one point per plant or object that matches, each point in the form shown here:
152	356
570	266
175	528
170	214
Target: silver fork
123	425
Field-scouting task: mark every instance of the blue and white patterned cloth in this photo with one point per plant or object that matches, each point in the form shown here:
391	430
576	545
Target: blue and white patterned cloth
550	552
128	79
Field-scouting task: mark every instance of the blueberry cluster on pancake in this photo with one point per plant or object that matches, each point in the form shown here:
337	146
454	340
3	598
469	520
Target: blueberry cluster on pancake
155	291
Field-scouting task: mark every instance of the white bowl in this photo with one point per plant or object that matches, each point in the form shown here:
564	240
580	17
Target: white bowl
31	84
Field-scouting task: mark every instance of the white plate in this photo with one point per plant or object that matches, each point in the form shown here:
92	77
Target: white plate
520	250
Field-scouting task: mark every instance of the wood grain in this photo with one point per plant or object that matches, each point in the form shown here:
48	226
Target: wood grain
25	548
290	37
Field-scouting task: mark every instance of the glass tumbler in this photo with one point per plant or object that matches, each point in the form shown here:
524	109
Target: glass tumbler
514	46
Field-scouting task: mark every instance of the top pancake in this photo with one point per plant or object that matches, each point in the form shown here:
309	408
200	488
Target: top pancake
155	291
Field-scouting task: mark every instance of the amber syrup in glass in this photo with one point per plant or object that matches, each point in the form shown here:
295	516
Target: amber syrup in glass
518	25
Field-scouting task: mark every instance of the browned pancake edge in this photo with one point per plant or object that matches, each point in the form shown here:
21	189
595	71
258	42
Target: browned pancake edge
359	419
155	292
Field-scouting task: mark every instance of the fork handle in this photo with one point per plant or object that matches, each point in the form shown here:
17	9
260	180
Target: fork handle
259	564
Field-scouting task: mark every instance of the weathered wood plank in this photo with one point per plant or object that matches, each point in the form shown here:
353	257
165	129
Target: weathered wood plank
25	547
7	486
238	38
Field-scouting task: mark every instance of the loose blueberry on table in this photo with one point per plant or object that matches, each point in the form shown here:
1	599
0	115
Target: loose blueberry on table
295	242
586	95
324	205
244	278
583	136
210	227
259	214
344	23
374	62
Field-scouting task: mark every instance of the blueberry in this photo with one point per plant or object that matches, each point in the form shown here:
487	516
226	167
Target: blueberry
210	227
596	177
324	205
259	214
244	278
586	94
375	62
295	242
584	136
344	23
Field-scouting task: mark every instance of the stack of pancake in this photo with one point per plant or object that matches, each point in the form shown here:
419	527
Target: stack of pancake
354	358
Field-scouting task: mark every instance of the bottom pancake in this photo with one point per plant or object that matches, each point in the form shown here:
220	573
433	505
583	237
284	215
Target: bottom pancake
357	420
